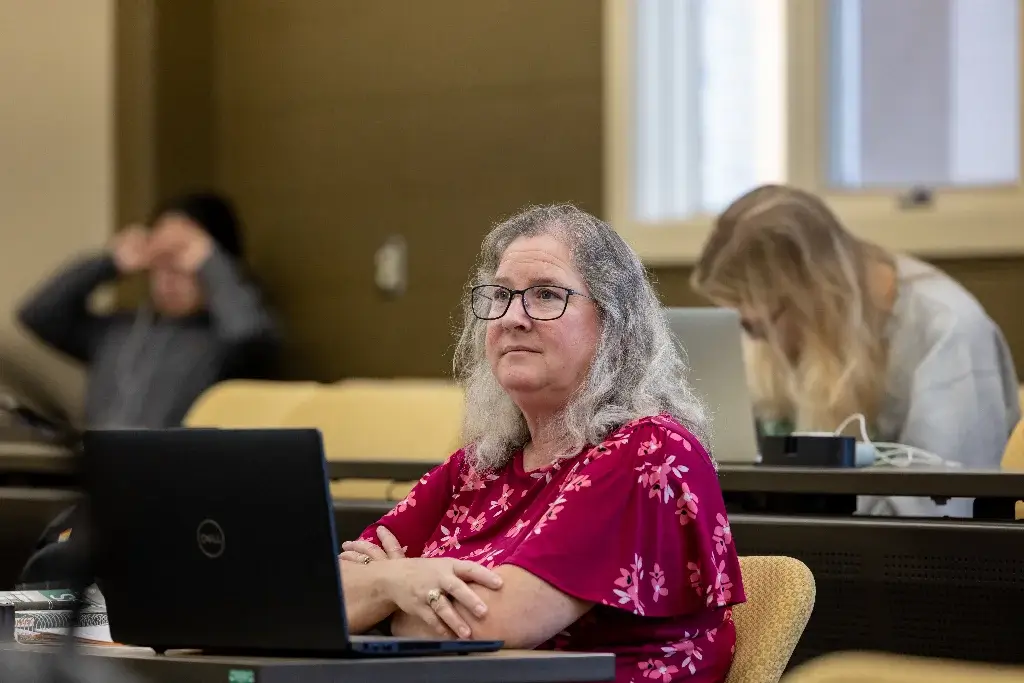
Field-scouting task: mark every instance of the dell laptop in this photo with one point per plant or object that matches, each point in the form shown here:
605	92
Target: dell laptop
224	541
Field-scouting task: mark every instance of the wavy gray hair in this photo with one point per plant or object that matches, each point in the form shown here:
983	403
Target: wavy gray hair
637	369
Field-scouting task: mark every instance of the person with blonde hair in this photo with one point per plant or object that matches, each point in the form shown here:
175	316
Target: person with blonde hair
583	513
837	326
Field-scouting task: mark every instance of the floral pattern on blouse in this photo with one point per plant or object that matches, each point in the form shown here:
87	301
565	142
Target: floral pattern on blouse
635	525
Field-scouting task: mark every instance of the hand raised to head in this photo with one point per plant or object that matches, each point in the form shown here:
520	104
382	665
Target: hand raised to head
130	249
182	244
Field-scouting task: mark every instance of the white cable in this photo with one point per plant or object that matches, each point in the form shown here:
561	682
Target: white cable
863	426
901	455
889	454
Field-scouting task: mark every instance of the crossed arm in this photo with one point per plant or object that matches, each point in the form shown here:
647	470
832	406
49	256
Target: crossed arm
524	612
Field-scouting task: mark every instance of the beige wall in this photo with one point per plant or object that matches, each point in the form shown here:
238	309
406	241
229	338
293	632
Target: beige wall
338	122
56	158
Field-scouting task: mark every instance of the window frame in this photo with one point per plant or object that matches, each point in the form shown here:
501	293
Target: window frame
975	222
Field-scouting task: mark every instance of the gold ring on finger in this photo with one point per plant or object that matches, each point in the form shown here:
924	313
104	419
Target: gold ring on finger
434	595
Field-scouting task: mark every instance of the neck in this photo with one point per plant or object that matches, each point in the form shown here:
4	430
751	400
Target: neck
883	285
177	315
544	441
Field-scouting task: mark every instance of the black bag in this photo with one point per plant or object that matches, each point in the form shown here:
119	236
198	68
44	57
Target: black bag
62	555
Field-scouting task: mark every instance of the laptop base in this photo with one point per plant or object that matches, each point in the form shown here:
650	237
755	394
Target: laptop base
359	646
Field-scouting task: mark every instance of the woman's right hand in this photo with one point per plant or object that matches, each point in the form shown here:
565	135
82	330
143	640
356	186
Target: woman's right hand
409	583
365	552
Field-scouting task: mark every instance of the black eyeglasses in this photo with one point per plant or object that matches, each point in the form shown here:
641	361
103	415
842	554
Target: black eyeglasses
541	302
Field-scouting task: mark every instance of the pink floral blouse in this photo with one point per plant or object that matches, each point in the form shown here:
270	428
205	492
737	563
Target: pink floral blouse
635	525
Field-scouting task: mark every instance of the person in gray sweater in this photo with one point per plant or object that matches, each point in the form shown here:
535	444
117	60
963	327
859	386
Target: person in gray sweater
204	320
839	331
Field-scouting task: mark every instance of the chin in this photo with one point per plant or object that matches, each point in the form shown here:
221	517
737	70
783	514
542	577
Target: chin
518	381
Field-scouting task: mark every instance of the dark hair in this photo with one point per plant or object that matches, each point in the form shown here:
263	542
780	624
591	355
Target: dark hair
213	212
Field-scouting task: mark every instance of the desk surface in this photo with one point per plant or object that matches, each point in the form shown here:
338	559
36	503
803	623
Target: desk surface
42	458
10	495
883	481
890	481
34	458
508	666
395	470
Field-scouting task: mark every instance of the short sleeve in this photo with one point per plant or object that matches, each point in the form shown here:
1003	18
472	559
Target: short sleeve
415	518
639	524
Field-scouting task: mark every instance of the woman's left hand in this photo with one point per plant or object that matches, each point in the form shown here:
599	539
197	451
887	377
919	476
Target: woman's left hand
364	552
405	625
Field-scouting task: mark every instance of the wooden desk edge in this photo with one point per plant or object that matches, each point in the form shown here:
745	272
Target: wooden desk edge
934	482
508	665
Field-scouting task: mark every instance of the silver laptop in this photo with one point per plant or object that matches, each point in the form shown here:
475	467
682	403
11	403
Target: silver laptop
710	339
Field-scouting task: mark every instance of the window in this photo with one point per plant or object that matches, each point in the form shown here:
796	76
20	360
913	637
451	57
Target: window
905	116
701	70
923	93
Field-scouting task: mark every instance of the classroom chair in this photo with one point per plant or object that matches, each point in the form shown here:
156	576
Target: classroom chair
780	597
1013	460
871	667
366	419
1013	456
248	404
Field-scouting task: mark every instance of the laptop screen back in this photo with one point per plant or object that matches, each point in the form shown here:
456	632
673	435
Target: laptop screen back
212	538
711	342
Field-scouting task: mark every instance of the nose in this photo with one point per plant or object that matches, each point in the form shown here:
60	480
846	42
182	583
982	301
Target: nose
516	316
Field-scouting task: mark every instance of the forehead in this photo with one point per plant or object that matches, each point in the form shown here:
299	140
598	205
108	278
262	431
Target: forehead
533	259
170	221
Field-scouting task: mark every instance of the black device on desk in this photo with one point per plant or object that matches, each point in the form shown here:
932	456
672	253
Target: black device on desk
223	541
799	451
809	450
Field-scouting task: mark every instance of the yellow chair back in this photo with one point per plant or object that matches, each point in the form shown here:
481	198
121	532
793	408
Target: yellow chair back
1013	460
1013	455
780	597
363	419
877	667
248	404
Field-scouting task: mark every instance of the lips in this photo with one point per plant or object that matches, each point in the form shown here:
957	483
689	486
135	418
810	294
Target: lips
524	349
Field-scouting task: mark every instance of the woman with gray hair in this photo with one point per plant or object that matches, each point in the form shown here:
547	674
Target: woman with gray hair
583	514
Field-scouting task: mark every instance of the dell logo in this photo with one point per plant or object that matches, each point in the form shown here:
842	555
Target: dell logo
211	539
